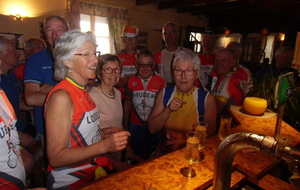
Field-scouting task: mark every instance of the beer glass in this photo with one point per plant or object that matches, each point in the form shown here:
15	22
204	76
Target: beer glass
191	155
225	124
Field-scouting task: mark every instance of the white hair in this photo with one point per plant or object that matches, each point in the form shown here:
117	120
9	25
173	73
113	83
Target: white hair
65	48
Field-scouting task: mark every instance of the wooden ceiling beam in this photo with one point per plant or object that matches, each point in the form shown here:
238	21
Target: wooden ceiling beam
145	2
260	20
287	9
226	6
190	3
283	7
223	12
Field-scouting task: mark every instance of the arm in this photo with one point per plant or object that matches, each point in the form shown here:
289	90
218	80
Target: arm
127	110
35	94
58	114
25	139
221	104
160	113
23	105
210	114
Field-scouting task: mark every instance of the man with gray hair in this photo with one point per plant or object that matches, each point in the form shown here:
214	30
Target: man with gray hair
225	86
38	76
9	57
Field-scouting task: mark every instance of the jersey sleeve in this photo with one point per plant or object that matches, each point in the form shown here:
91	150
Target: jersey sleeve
32	72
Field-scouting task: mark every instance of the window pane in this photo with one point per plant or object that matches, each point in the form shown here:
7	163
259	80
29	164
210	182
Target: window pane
198	36
103	45
85	23
192	35
269	48
101	27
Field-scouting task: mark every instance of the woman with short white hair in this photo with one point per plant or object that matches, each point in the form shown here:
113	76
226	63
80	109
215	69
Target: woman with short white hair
178	108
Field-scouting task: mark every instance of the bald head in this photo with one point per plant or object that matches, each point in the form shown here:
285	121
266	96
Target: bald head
224	61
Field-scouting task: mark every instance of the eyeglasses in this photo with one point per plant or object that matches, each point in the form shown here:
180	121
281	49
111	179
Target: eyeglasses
188	72
169	32
89	55
109	70
145	65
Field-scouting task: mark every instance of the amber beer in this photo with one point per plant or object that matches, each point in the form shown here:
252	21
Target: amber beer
192	153
225	124
200	132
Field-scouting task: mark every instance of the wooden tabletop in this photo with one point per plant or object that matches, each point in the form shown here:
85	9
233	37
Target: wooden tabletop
163	173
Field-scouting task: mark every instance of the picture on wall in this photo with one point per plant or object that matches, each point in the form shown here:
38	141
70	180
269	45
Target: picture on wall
16	38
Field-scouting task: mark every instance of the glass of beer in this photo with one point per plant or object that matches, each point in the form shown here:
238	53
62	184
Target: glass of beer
225	124
200	132
191	155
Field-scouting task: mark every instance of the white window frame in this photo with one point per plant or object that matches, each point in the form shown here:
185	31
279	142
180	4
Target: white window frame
98	26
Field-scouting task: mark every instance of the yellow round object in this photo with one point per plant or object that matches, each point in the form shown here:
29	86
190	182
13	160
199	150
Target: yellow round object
254	105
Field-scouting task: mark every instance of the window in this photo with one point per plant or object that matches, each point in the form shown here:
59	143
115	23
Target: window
223	40
269	49
99	26
195	37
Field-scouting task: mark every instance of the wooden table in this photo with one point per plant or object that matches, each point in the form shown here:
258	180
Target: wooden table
163	173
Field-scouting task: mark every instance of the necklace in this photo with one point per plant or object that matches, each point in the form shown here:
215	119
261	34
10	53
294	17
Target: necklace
107	95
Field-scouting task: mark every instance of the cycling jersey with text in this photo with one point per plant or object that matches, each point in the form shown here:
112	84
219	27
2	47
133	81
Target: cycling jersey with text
142	99
84	132
12	172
